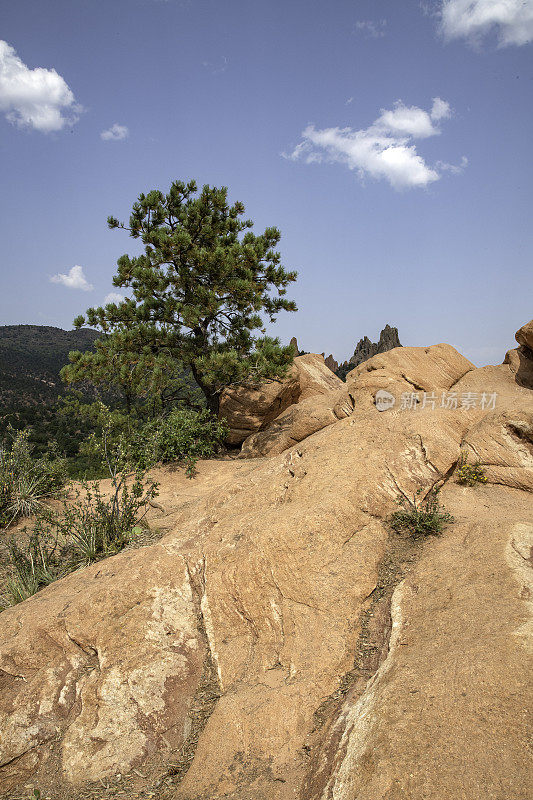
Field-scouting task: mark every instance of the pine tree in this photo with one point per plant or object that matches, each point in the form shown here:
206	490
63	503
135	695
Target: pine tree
195	297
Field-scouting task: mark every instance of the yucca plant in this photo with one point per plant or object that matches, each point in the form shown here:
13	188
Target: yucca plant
26	481
89	526
32	566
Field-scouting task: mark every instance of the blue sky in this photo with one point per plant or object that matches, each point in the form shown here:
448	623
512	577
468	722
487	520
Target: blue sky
321	117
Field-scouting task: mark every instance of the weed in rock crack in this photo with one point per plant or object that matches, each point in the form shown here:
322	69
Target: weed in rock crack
469	474
420	516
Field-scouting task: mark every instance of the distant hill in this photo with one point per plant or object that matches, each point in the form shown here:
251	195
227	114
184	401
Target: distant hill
31	357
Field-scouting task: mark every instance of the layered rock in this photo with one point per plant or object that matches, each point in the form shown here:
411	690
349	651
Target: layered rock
408	370
251	408
278	642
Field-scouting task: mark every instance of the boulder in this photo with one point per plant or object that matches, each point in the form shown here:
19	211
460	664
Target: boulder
412	370
297	423
524	335
520	362
406	369
251	408
503	443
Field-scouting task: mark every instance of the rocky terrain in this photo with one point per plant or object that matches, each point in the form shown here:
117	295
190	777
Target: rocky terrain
278	640
365	349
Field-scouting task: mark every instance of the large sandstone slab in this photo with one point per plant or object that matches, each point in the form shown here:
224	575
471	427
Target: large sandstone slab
278	563
231	643
99	670
447	713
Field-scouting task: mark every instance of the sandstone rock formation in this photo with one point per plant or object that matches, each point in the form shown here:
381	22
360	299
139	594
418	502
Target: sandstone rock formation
294	344
330	363
407	370
278	642
365	349
524	336
249	409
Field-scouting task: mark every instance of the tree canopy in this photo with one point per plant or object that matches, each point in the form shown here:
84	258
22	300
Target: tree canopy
196	298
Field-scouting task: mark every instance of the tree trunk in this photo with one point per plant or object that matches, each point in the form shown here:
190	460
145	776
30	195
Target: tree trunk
212	398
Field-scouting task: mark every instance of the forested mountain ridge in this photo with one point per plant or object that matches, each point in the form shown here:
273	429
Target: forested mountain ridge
31	357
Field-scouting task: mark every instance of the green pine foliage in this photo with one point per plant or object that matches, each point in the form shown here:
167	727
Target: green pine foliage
195	301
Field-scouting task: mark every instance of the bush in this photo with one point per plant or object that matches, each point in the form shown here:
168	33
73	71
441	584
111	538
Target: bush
184	436
95	526
26	481
470	474
86	529
420	517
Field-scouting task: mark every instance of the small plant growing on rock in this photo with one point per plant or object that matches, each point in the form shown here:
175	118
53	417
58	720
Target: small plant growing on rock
470	474
420	516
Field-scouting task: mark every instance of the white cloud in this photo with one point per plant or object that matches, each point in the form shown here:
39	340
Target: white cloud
218	66
373	29
382	151
472	19
34	98
74	279
455	169
116	133
440	109
412	121
113	297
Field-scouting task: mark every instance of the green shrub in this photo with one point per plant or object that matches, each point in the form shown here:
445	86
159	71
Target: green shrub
32	567
184	435
420	517
86	529
469	474
26	481
96	526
